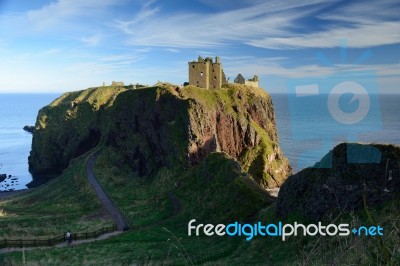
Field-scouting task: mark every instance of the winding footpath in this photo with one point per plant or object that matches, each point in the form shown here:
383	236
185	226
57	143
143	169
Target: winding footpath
107	203
114	212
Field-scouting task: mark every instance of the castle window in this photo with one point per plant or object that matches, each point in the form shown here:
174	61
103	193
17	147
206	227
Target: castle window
192	66
215	77
201	73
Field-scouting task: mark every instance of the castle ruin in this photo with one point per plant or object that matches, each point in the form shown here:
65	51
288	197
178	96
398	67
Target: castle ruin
206	74
117	84
249	82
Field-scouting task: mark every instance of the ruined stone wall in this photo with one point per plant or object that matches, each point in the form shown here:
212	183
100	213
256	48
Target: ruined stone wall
251	83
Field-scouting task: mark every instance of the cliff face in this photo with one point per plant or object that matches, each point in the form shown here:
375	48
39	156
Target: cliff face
317	192
162	126
67	128
239	121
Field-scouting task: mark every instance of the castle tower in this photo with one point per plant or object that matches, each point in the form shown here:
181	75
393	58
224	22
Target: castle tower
216	74
206	74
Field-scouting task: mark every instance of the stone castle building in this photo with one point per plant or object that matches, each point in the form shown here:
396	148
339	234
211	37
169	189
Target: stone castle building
117	84
249	82
206	74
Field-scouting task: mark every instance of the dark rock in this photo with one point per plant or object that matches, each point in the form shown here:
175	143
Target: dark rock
29	129
316	192
3	177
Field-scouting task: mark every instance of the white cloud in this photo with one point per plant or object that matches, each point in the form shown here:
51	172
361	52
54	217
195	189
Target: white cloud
146	13
272	24
172	50
152	27
143	50
92	40
249	66
62	10
362	36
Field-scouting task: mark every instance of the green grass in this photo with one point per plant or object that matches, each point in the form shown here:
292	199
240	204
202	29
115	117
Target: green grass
142	202
218	190
203	191
65	203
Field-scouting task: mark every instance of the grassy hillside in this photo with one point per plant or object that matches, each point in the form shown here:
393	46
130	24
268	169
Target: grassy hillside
66	203
216	191
67	128
167	155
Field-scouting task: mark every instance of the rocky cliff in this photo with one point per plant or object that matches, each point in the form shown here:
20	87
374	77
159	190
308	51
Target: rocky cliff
357	170
161	126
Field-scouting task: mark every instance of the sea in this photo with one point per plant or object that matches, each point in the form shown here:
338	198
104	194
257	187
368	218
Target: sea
307	129
16	111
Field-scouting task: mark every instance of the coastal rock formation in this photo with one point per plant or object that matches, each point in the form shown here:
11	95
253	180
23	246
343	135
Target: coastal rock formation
29	129
162	126
67	128
357	170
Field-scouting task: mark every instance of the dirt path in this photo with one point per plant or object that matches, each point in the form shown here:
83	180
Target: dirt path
115	214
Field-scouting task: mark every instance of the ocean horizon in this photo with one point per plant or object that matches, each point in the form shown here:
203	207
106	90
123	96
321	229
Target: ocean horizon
295	131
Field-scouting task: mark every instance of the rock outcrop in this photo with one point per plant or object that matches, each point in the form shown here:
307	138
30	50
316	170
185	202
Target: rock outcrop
357	169
29	129
161	126
67	128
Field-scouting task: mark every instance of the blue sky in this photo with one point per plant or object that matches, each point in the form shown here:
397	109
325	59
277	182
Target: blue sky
65	45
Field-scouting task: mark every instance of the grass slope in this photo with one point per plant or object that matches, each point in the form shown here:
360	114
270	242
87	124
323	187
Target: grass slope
215	191
65	203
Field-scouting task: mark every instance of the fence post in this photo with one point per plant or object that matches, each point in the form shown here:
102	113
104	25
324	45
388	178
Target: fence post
86	235
5	242
34	242
20	243
49	242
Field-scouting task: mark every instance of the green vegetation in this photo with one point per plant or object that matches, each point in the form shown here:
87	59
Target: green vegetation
65	203
67	128
160	126
213	192
143	141
141	201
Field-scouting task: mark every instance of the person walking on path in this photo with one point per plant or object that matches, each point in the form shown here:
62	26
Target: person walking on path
69	237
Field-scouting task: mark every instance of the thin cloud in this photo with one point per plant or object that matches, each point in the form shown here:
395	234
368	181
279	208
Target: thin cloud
195	30
171	50
272	25
65	10
92	40
249	66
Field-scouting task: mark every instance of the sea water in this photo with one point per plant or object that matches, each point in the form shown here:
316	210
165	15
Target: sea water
16	111
316	132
